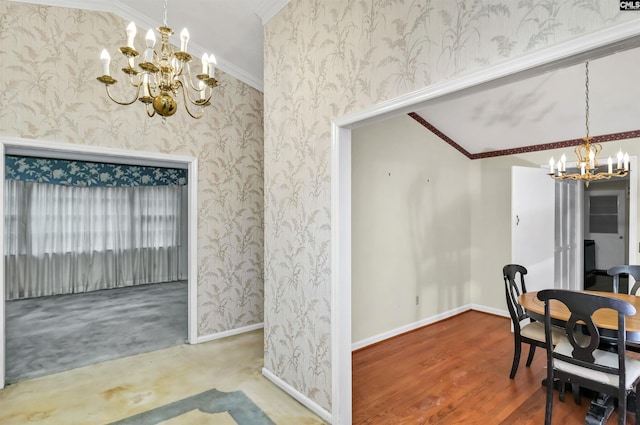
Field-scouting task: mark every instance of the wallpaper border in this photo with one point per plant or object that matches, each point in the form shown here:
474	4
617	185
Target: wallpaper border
524	149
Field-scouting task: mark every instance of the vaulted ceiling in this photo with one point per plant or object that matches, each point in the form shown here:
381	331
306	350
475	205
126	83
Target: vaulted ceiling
543	109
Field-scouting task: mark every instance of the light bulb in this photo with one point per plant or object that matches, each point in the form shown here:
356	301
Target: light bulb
106	59
184	39
131	34
151	39
620	156
205	64
212	66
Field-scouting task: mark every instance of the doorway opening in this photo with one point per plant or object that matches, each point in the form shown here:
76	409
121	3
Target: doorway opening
606	233
23	147
570	53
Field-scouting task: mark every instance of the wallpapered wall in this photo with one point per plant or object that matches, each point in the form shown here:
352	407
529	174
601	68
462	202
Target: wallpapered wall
50	60
81	173
324	59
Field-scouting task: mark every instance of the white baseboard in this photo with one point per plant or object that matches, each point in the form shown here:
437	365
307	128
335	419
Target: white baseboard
303	399
427	321
407	328
212	337
490	310
326	416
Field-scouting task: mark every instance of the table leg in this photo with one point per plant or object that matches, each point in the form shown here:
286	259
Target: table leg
600	409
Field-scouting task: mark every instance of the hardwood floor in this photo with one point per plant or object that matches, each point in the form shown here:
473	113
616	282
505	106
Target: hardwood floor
453	372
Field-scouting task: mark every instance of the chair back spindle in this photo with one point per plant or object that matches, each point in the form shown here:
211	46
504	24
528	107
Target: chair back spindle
630	270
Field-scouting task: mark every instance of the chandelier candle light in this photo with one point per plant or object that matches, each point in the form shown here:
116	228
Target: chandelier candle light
162	74
587	154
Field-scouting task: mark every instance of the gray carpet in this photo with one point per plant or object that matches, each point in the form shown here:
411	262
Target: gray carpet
52	334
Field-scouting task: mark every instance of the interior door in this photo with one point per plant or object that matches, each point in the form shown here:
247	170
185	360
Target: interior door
569	231
606	225
533	225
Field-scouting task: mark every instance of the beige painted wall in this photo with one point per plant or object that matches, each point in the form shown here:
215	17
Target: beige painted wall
392	262
410	226
491	220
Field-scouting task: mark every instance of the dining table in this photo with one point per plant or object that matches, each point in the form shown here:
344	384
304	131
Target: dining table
605	319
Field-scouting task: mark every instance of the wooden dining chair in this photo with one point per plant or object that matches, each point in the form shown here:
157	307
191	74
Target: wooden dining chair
625	270
525	329
579	361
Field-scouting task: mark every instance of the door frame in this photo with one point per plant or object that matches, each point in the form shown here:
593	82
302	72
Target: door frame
577	50
20	146
626	232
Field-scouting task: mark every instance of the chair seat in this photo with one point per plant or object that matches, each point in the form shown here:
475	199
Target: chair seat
535	330
604	358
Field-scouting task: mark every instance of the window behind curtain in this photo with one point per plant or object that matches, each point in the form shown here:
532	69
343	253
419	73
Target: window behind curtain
87	238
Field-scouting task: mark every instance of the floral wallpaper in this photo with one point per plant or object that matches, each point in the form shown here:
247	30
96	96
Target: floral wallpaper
81	173
328	58
49	59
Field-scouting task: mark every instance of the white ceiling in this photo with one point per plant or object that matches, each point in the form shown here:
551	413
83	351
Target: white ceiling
543	109
540	107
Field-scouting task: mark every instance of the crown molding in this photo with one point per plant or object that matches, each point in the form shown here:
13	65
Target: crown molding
269	9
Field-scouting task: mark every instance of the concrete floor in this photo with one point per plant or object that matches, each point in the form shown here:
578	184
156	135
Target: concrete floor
117	389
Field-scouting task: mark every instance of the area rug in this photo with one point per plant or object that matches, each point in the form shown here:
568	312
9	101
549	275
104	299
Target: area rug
235	404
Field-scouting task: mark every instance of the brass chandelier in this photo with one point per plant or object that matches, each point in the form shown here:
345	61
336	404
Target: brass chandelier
588	167
162	75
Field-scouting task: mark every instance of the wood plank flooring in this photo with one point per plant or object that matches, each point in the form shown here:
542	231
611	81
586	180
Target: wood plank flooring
454	372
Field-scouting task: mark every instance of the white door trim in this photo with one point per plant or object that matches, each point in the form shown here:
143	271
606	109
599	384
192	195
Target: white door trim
633	209
572	52
9	145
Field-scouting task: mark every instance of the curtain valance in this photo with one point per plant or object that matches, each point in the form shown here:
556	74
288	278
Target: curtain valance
85	174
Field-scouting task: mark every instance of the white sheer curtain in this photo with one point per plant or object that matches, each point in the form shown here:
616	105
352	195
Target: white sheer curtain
64	239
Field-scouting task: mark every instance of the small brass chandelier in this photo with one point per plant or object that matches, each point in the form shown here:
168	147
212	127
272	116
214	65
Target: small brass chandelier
162	75
587	153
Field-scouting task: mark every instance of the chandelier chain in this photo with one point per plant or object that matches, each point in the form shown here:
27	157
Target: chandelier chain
586	93
165	12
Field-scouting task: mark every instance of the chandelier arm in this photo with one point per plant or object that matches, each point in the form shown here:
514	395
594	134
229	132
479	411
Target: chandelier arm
153	111
126	102
196	116
186	104
187	96
134	84
189	78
